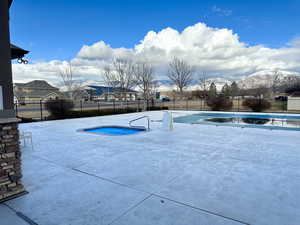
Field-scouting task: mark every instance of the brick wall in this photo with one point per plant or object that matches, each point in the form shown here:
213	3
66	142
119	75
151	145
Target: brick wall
10	162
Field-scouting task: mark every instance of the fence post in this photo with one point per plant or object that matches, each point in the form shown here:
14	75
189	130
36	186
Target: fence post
238	103
41	108
138	108
173	102
187	104
61	107
98	104
81	105
147	104
114	104
201	104
16	108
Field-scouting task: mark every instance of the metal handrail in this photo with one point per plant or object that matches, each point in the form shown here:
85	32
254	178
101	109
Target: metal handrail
148	119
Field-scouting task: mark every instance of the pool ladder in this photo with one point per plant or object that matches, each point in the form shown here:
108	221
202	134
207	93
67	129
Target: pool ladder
148	123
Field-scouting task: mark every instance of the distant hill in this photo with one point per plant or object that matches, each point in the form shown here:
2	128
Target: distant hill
255	80
265	78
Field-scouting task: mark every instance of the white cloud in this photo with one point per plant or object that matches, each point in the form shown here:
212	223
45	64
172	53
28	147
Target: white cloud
220	11
100	50
295	42
83	70
219	52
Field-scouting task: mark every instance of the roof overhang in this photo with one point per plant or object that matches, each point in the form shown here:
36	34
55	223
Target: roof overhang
17	52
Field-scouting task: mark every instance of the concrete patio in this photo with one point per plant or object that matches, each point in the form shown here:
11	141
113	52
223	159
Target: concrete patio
196	174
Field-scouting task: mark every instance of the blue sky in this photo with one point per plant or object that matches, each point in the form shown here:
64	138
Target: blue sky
57	29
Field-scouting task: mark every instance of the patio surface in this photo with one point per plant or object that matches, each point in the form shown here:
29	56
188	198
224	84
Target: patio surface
196	174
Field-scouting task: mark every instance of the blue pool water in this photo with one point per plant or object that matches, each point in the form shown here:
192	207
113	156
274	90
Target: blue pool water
269	121
114	130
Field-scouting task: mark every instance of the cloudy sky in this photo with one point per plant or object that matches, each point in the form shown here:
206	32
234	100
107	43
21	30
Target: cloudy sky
229	40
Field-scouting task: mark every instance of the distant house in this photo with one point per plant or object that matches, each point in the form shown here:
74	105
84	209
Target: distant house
294	101
35	91
77	95
103	93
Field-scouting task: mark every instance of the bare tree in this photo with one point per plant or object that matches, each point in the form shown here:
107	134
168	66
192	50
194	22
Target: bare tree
144	77
109	77
204	82
276	81
260	92
120	75
73	87
292	84
180	74
288	83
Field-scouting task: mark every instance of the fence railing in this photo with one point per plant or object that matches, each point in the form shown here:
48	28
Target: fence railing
37	110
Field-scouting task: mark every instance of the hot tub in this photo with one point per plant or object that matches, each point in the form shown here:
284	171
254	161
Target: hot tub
114	130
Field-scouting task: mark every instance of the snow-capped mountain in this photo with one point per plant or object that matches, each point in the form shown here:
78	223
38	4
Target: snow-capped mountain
266	78
261	78
255	80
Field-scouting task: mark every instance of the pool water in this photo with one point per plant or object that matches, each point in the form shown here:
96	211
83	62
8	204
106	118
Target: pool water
114	130
269	121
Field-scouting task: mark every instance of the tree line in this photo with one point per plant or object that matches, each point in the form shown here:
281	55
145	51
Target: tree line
124	75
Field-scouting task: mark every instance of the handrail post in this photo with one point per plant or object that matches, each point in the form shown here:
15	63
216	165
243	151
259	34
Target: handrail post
148	121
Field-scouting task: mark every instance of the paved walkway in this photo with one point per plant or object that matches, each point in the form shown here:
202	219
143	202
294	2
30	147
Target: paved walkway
196	174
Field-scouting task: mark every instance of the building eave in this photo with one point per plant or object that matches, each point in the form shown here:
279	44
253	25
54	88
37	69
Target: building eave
17	52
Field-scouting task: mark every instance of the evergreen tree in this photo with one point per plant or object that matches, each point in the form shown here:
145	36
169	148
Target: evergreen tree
234	89
226	90
212	90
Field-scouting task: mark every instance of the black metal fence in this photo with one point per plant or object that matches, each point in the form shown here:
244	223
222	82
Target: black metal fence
37	111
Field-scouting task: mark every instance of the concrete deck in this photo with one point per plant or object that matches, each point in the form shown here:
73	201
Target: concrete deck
197	174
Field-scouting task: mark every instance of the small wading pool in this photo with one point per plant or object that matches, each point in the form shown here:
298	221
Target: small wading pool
268	121
114	130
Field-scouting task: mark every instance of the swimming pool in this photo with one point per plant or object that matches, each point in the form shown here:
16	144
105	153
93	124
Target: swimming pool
114	130
267	121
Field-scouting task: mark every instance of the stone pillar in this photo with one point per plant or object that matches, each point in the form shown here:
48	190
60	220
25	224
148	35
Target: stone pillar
10	160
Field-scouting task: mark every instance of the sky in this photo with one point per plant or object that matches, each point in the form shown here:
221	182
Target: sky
231	38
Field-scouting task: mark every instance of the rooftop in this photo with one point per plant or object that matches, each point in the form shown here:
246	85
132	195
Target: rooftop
37	84
17	52
99	90
196	174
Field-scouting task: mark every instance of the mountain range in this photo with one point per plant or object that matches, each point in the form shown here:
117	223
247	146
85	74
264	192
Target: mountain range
262	78
255	80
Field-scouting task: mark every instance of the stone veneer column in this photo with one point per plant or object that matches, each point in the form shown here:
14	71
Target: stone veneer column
10	160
